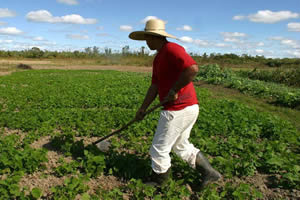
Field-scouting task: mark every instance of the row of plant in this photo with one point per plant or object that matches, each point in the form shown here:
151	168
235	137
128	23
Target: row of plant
276	93
71	104
289	77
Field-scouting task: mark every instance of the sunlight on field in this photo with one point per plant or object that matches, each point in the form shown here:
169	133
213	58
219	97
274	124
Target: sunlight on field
49	118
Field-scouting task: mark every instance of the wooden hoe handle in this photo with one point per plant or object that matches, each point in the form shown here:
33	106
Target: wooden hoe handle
129	123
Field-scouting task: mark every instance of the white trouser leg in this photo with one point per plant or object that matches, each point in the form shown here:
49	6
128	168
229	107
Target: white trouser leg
173	131
182	147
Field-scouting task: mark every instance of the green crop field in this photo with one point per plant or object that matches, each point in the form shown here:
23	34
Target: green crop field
49	118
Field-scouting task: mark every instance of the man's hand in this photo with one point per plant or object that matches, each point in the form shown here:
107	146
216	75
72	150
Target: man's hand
140	114
172	96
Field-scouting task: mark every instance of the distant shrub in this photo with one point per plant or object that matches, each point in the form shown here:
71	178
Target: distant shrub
23	66
274	63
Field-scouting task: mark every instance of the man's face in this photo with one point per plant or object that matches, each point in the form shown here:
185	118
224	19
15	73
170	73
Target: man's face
151	41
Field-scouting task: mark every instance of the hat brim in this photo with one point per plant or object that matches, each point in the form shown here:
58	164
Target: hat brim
140	35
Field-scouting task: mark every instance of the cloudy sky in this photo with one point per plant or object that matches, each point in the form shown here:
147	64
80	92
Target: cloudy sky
255	27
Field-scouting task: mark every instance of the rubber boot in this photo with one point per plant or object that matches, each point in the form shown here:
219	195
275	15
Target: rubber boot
209	174
159	179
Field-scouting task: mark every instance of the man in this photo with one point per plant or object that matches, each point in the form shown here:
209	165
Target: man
173	72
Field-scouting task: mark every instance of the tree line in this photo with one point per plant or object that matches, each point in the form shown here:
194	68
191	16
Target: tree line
141	54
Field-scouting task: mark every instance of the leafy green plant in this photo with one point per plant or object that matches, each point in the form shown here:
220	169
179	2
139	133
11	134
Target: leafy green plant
93	165
140	190
9	187
66	168
114	194
238	141
279	94
17	159
241	191
71	187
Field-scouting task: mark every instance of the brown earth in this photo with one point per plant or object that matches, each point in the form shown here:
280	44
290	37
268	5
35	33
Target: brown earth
50	65
96	67
5	73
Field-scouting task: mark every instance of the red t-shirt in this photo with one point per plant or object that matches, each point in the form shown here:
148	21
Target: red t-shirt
168	64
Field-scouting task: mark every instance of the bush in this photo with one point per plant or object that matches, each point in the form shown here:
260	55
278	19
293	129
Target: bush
23	66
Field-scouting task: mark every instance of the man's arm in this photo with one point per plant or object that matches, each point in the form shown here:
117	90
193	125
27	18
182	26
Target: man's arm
187	76
149	98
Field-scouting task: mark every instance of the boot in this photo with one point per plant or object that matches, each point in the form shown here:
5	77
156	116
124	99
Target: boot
159	179
209	174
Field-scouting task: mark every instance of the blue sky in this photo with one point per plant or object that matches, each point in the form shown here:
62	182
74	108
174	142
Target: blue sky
257	27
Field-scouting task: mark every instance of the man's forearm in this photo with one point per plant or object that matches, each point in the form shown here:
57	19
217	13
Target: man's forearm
186	77
150	96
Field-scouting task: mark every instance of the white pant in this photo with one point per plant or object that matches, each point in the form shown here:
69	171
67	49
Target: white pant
173	132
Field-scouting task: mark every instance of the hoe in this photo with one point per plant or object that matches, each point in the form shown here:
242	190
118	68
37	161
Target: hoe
103	145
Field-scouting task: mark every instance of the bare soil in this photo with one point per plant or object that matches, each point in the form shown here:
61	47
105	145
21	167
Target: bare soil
4	73
28	62
96	67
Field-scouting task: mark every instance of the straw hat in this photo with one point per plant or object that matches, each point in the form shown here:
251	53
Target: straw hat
153	27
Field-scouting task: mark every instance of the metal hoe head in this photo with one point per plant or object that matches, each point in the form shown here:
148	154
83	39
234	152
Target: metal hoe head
103	146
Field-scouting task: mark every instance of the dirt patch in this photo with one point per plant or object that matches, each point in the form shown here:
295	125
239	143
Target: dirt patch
42	181
5	73
105	182
97	67
7	132
219	90
28	62
46	179
261	181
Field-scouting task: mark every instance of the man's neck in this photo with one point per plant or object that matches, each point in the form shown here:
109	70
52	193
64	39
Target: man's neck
161	44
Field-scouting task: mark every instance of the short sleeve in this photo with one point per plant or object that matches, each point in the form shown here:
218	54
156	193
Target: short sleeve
180	58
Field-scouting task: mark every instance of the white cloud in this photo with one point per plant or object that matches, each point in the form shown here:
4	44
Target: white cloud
229	39
238	17
233	34
290	43
260	44
6	41
294	27
100	28
148	18
68	2
198	42
201	43
295	53
102	34
46	16
126	28
259	51
38	39
287	42
10	31
270	17
185	28
276	38
186	39
222	45
77	37
5	12
233	37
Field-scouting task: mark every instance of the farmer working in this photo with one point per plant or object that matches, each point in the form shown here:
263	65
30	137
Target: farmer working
173	72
